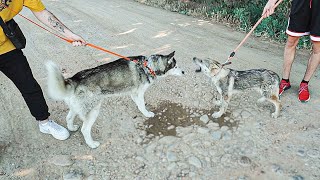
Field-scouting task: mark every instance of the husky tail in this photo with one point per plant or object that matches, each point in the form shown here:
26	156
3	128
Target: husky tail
58	87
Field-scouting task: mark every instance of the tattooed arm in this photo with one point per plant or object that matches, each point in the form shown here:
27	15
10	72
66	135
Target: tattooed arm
47	18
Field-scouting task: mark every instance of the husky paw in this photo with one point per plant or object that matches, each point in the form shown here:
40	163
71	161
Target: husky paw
73	127
274	115
216	115
149	114
94	144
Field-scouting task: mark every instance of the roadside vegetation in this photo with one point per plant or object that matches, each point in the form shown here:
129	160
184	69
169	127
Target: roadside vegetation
239	14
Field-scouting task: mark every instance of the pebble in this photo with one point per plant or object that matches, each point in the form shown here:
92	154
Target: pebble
313	153
91	177
226	158
227	136
189	137
172	166
244	161
171	156
204	119
195	161
213	126
203	130
224	128
184	130
91	170
246	133
301	153
277	169
297	177
171	127
73	175
236	112
226	118
139	140
61	160
139	158
243	178
245	114
168	140
216	135
196	103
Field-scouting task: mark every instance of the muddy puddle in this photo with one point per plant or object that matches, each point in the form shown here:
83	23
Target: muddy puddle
170	115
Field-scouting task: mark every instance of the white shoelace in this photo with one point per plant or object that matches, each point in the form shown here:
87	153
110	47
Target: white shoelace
53	125
303	88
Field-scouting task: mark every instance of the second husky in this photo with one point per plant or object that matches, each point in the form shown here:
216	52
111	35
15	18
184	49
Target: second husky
229	82
84	92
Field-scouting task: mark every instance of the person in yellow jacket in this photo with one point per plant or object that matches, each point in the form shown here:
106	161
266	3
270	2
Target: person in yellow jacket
15	66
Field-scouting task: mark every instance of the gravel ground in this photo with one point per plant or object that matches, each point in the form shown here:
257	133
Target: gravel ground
182	141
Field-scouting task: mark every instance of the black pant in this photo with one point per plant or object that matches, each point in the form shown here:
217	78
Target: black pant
16	67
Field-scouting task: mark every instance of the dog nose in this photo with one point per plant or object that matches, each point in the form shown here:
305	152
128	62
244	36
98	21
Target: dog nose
182	72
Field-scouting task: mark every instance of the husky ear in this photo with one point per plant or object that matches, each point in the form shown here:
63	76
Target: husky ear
171	55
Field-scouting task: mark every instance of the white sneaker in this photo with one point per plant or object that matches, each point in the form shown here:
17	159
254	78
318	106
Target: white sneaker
54	129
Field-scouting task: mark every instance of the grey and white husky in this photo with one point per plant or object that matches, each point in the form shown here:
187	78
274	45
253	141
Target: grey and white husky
229	82
84	92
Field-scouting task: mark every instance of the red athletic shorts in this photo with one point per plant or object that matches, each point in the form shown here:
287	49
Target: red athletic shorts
305	19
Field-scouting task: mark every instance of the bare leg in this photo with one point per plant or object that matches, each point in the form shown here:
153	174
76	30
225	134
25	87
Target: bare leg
289	54
313	61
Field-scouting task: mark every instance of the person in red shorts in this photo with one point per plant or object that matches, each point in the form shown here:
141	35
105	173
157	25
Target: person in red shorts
304	20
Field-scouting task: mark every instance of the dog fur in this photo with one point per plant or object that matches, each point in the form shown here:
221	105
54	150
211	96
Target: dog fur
229	82
84	92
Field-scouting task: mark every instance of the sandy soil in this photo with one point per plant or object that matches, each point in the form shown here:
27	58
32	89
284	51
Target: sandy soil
178	143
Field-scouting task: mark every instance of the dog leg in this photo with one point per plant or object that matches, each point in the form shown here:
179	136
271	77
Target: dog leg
138	98
70	118
87	125
225	97
275	100
223	107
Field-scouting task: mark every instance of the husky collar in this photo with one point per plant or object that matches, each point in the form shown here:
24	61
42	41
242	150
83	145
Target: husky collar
145	64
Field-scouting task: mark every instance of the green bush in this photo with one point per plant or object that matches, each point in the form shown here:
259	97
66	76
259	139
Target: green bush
241	14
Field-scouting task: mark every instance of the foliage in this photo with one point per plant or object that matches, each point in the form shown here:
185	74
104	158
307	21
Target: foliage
241	14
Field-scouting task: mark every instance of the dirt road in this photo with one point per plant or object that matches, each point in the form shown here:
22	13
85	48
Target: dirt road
251	145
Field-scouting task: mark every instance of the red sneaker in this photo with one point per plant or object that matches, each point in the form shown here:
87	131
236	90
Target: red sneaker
284	85
304	95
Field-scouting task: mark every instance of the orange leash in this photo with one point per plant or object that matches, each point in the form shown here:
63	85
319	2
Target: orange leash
246	37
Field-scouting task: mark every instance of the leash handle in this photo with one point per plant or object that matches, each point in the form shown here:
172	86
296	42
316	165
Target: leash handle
246	37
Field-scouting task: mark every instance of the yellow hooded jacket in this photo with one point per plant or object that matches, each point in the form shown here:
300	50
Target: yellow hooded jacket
6	14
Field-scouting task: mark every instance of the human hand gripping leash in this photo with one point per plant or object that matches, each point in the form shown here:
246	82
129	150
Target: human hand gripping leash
228	62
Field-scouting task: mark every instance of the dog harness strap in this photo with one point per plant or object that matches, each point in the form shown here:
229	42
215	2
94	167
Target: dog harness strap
145	64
